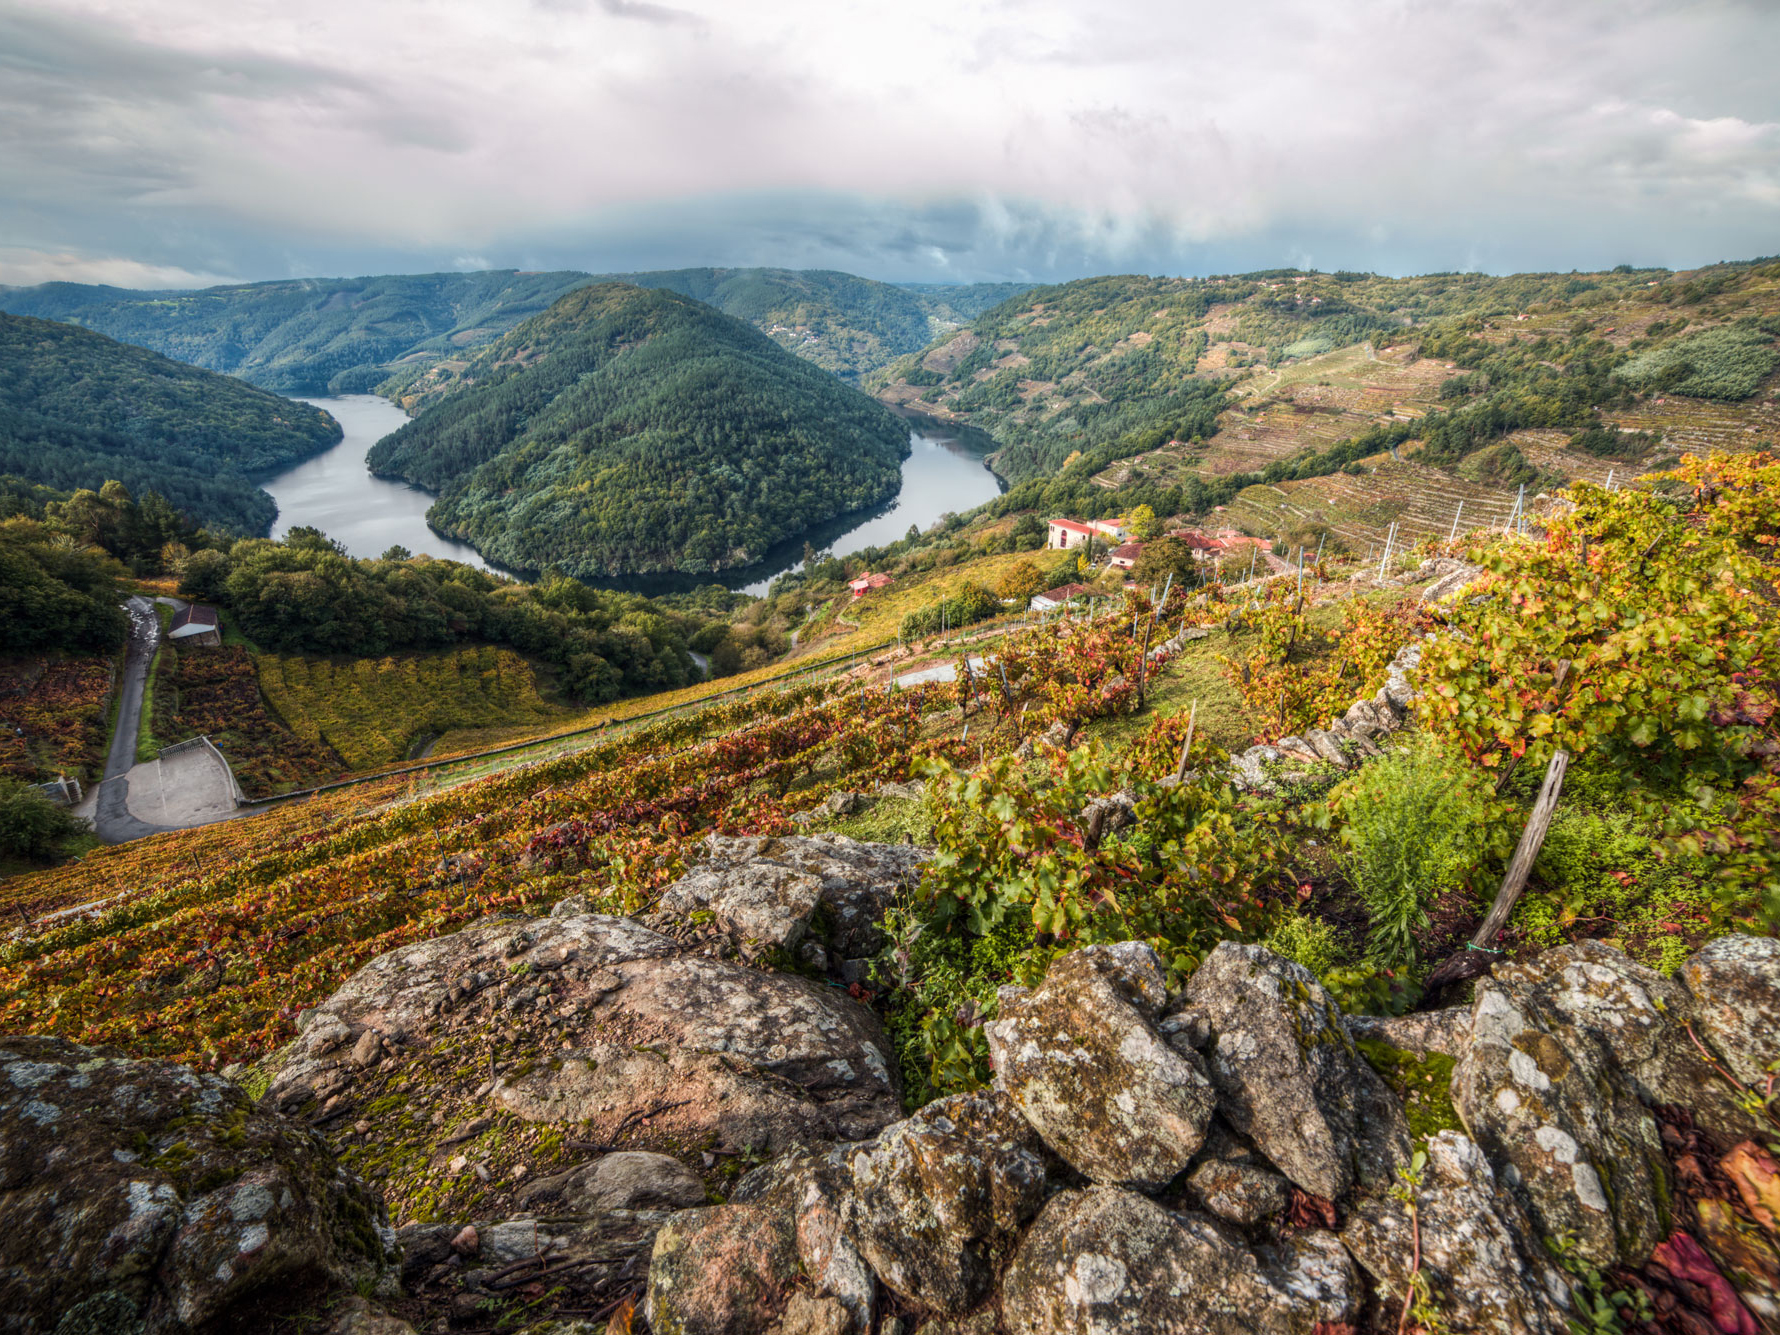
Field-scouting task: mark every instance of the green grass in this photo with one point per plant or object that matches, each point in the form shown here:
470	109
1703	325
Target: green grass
147	747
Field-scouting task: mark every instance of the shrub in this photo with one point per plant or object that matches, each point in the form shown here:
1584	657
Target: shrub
1413	826
31	826
1018	877
1307	941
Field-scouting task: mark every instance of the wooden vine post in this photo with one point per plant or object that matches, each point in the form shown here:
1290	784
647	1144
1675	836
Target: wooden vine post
1474	959
1180	770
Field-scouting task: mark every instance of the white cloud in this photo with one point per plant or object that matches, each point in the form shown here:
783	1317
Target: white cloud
22	268
1041	136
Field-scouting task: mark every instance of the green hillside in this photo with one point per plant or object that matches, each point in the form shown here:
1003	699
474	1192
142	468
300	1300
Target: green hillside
1116	367
628	430
78	409
347	335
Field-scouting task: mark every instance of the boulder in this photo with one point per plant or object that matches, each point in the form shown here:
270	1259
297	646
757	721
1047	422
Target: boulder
940	1197
1486	1269
1081	1059
1557	1116
1735	981
1642	1019
621	1026
1242	1193
722	1270
763	891
1289	1077
811	1187
1106	1261
141	1191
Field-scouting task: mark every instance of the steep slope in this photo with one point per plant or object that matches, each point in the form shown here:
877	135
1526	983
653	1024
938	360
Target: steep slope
346	335
78	409
628	430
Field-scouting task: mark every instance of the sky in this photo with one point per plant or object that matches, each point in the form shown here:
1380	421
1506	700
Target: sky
159	143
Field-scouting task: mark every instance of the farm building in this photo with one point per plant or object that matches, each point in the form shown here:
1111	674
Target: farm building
193	625
866	583
1064	594
1125	556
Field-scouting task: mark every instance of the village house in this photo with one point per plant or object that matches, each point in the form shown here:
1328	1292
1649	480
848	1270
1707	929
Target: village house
1125	556
867	582
1064	594
1066	533
195	624
1108	528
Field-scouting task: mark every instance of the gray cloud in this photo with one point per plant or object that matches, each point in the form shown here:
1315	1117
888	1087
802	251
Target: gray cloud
939	139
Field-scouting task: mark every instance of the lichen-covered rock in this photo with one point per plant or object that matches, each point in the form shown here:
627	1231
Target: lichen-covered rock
1486	1268
1289	1077
940	1196
1735	981
1082	1060
1243	1193
722	1270
766	889
1556	1115
1109	1262
811	1187
141	1191
713	1052
1642	1019
358	1317
1447	1032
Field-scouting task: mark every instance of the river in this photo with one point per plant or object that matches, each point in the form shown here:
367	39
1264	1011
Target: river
336	493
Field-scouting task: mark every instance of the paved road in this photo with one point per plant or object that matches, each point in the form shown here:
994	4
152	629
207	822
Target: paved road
944	672
112	820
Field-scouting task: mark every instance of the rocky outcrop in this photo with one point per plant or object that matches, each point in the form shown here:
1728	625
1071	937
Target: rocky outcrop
1549	1105
1106	1261
939	1198
140	1195
1477	1247
762	893
1081	1059
1735	982
1289	1077
726	1270
711	1051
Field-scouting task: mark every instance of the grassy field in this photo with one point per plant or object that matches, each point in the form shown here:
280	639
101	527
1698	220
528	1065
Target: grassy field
373	711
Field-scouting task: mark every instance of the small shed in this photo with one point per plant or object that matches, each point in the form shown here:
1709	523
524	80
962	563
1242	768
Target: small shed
1125	556
866	583
195	624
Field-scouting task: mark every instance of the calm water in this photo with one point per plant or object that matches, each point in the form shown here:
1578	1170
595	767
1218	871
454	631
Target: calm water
367	515
337	494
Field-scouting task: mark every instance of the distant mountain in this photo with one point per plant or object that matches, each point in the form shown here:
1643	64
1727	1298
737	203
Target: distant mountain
635	430
78	409
349	335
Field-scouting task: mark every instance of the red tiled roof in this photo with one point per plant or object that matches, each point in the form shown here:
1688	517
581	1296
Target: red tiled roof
1071	525
1129	551
1064	592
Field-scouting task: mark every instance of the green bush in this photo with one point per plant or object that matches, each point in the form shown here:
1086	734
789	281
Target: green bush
1016	879
1307	941
1413	826
31	826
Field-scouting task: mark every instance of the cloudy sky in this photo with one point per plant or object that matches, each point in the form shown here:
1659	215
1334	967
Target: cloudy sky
167	142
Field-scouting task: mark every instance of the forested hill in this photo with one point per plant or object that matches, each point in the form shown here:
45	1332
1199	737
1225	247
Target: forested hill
1080	365
635	430
349	335
78	409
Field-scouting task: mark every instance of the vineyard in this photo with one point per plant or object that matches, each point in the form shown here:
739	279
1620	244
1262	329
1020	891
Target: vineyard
52	717
205	945
372	710
215	693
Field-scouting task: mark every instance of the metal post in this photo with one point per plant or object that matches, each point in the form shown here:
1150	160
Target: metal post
1455	522
1609	486
1253	553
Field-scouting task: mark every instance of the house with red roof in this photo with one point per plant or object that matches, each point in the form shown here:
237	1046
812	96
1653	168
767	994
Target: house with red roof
1125	556
1067	533
867	582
